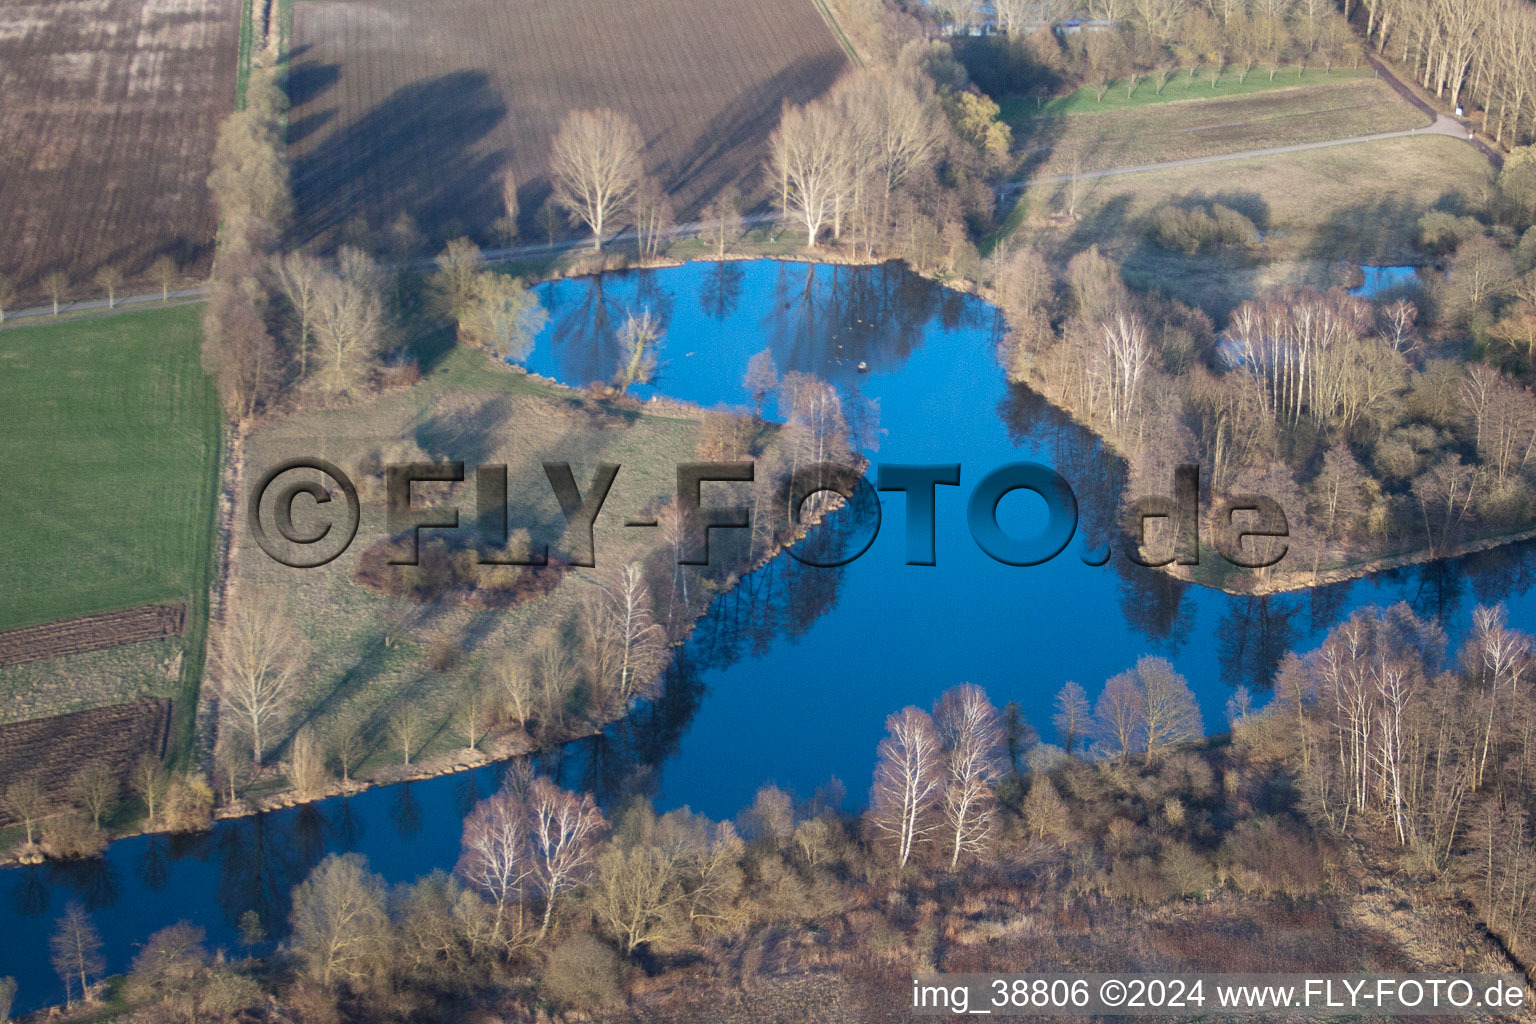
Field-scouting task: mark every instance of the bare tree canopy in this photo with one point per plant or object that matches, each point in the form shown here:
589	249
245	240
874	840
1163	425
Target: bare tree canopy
595	163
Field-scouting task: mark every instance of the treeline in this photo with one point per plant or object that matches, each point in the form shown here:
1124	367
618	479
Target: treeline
558	906
1393	738
1149	41
1481	53
1375	424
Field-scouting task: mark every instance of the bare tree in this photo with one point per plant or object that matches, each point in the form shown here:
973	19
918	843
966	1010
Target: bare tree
459	268
27	803
237	350
1045	815
306	763
300	277
471	715
810	160
407	727
1072	718
96	788
341	930
511	676
506	225
1169	712
7	296
653	217
56	283
76	952
595	165
501	314
150	781
349	323
723	220
909	781
164	272
973	759
762	378
497	856
1118	713
257	658
635	645
110	278
345	742
564	832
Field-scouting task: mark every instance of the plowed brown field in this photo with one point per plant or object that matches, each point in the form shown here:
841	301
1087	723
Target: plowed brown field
400	105
108	109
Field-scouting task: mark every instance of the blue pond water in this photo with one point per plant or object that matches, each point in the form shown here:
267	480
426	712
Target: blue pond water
1379	279
790	676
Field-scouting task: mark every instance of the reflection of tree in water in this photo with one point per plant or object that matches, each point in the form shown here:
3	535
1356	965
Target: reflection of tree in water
1255	633
32	893
1096	474
620	762
405	812
154	864
584	333
781	600
1153	602
347	826
721	291
95	881
827	319
259	865
1501	573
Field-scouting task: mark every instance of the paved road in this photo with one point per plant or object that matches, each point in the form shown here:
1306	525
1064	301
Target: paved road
129	303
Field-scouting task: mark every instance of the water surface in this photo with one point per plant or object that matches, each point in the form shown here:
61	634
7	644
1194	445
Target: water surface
789	677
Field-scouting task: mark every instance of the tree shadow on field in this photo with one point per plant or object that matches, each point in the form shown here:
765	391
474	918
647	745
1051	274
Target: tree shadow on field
412	154
745	122
1383	231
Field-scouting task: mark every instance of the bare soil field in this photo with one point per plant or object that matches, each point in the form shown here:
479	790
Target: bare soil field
404	106
53	750
110	109
91	633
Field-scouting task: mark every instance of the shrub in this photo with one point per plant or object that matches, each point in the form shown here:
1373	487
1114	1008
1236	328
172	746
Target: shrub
1201	227
583	973
1441	232
73	835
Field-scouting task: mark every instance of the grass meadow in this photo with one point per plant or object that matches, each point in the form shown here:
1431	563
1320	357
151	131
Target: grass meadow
366	652
1122	136
1143	92
110	461
1359	203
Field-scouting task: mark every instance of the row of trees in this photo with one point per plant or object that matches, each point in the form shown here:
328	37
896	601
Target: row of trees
937	773
1149	41
1393	736
1377	733
1465	53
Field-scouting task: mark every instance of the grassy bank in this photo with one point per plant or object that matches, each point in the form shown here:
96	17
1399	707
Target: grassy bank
1123	93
